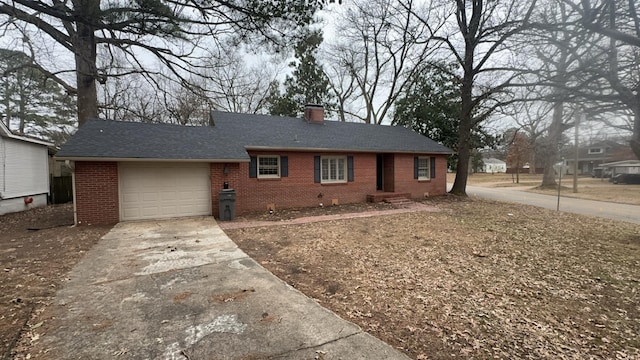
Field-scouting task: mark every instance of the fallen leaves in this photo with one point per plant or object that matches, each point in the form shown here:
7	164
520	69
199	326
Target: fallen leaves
476	280
35	264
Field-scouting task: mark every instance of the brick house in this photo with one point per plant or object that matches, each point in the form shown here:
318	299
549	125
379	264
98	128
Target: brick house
131	171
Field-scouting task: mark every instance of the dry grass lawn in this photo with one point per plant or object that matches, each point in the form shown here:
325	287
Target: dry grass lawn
477	279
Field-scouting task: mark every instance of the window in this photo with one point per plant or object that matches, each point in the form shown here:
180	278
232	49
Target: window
423	168
595	151
333	169
268	167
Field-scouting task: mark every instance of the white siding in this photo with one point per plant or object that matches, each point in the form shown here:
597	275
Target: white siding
25	168
17	204
2	165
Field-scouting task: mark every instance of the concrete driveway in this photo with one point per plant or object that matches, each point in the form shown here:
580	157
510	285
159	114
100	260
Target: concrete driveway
181	289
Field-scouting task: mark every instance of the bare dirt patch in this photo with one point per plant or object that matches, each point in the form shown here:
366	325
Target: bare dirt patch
37	249
478	279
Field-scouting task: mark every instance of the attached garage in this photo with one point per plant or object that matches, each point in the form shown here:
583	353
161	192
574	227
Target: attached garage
163	190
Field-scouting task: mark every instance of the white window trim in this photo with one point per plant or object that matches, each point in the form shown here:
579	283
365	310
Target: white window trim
428	160
271	176
337	181
595	151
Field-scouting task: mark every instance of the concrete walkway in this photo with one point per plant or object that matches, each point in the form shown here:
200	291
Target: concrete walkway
181	289
620	212
413	207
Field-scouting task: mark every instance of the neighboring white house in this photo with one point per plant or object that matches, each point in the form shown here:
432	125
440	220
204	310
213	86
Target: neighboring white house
493	165
24	172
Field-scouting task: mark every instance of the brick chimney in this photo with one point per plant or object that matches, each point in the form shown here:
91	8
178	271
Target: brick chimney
314	114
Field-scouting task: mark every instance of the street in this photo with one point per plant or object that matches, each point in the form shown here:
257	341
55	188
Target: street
615	211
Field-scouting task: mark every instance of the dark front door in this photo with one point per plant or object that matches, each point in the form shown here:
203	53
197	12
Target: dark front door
380	172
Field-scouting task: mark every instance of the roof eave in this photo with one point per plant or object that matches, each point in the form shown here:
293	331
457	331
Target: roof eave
4	131
308	149
120	159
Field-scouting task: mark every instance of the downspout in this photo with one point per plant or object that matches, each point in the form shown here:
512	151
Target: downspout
48	177
72	165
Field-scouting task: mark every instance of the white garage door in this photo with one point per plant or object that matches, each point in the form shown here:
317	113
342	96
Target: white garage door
163	190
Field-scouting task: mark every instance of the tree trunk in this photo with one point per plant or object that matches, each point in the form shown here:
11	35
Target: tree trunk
532	158
85	56
462	170
22	110
22	100
464	145
466	122
553	141
7	106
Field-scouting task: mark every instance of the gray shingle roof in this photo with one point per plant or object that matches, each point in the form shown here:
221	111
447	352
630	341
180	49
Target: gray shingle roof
233	134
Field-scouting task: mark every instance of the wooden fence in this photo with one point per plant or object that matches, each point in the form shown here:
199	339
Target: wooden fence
61	189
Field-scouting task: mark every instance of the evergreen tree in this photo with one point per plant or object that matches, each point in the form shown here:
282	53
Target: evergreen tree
431	107
30	103
308	83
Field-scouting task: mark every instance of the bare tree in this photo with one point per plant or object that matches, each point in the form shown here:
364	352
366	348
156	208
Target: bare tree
381	45
176	34
341	82
518	152
234	85
617	20
558	52
133	97
532	119
477	36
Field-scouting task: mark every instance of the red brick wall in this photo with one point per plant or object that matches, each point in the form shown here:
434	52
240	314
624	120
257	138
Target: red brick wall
299	190
218	178
404	181
97	200
96	185
296	190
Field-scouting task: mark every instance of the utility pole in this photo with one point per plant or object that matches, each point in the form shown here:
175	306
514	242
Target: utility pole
575	161
560	184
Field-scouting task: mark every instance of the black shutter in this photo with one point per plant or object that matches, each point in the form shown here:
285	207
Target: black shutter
316	169
349	168
253	167
432	167
415	167
284	166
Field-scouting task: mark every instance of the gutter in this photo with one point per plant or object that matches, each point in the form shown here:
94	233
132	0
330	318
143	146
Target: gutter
119	159
270	148
8	134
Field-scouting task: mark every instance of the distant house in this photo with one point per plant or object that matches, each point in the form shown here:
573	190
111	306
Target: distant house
592	156
493	165
130	171
24	172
